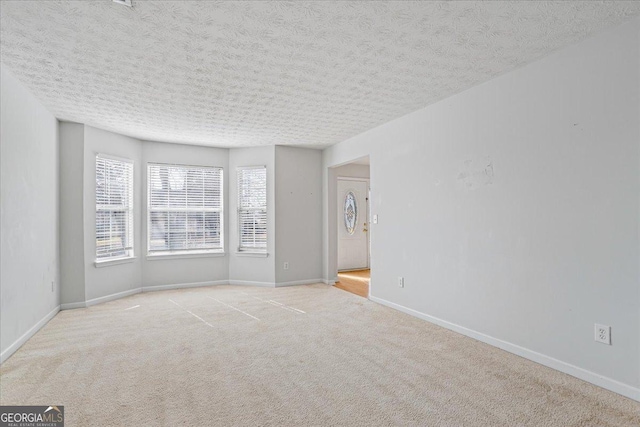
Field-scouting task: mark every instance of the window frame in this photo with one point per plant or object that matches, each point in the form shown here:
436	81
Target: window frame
130	210
184	253
248	250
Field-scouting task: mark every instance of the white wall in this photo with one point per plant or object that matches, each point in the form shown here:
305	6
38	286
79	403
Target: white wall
298	186
248	269
158	271
28	214
352	170
512	209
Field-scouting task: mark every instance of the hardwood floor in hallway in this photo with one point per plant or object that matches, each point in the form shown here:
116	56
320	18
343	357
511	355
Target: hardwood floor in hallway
356	282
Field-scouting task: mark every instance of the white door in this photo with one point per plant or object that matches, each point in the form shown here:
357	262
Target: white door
353	244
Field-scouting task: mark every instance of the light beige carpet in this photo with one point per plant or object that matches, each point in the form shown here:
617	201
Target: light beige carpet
306	355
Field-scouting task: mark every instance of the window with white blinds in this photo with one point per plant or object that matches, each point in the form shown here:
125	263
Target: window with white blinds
184	209
252	208
114	208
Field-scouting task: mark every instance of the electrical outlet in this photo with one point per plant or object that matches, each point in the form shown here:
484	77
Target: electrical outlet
401	282
286	265
603	334
375	219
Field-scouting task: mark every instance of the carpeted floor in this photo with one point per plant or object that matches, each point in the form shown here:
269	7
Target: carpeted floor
305	355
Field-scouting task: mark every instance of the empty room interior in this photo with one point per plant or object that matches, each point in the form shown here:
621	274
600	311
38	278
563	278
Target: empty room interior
412	213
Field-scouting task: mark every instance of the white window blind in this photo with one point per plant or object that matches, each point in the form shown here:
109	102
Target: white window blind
114	208
185	209
252	208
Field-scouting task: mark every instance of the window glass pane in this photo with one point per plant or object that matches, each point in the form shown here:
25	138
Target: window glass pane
350	213
176	235
114	208
212	233
158	226
185	208
111	234
252	211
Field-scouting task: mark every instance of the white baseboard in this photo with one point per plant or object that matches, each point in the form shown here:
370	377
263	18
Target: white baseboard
184	285
69	306
300	282
330	282
230	282
25	337
72	305
250	283
591	377
112	297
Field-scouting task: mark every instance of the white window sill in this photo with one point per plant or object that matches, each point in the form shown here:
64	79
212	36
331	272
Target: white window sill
110	262
184	255
252	254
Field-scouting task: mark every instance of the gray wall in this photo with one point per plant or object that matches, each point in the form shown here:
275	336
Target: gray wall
82	281
298	186
512	209
208	269
29	214
112	279
250	269
297	239
72	213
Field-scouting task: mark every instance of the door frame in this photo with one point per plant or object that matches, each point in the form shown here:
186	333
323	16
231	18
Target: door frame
367	197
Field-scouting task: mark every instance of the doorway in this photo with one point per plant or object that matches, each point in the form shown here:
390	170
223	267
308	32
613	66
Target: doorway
353	230
353	224
356	282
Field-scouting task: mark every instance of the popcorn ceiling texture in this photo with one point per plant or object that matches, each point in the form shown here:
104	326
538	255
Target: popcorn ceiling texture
263	73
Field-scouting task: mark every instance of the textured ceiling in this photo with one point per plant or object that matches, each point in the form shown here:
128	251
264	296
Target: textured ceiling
263	73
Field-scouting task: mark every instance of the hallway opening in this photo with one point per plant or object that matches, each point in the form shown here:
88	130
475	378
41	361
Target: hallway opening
356	282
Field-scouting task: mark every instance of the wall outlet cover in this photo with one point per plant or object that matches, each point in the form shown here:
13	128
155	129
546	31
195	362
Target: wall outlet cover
603	334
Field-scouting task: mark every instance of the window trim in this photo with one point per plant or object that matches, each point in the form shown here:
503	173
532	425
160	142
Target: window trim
174	255
184	253
253	254
251	251
115	261
130	257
